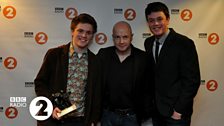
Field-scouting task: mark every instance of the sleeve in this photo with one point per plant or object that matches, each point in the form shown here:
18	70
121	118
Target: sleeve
42	79
97	90
148	90
190	77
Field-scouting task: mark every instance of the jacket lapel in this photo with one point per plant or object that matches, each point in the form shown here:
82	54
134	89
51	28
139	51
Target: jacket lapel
64	61
166	45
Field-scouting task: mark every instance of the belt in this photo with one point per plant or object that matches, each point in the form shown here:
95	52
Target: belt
122	112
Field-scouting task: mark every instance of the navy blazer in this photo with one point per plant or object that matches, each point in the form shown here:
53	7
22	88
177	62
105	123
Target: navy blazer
52	78
177	75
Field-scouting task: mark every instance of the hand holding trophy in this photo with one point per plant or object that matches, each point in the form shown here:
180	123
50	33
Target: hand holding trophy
61	100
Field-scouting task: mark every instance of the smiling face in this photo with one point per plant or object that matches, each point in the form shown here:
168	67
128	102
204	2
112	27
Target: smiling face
82	35
158	23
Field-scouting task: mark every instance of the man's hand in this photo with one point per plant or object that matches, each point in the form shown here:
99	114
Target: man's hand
54	114
176	115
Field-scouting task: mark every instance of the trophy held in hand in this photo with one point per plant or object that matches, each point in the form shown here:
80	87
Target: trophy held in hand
61	100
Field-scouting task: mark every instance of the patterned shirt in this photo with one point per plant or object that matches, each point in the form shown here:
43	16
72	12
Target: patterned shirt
77	79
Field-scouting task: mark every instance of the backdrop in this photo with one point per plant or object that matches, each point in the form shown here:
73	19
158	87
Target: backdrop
28	28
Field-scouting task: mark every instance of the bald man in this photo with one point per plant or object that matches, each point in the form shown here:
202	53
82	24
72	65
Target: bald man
125	79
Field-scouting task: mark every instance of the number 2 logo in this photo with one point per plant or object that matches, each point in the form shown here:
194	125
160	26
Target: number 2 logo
9	12
10	63
41	38
70	13
130	14
41	108
11	112
212	85
213	38
101	38
186	15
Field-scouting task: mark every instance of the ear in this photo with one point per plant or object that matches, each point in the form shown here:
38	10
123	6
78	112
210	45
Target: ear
113	37
72	32
132	37
168	21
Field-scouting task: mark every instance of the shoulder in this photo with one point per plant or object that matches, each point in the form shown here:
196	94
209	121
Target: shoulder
180	37
58	50
106	51
149	39
91	55
139	53
137	50
148	42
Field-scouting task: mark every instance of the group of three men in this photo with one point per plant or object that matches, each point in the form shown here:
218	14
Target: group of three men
122	85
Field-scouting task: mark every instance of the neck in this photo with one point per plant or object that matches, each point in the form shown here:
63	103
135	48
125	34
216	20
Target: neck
127	52
123	55
78	49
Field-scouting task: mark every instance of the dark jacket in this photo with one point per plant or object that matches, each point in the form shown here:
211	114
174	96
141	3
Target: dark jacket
177	75
141	79
52	78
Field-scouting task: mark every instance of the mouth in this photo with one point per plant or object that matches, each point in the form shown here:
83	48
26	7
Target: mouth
122	46
156	28
82	39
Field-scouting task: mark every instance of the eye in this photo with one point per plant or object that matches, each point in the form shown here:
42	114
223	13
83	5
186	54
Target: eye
151	20
89	32
116	37
125	37
159	19
80	31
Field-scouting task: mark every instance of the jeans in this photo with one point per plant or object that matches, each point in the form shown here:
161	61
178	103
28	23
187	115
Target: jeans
110	118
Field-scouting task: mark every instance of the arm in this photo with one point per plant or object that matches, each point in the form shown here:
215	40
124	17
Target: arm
42	79
190	78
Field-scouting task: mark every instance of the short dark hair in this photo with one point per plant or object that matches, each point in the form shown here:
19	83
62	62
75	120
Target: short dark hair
84	18
155	7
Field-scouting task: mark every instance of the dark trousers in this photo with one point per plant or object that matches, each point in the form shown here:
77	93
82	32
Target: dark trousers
110	118
64	122
159	120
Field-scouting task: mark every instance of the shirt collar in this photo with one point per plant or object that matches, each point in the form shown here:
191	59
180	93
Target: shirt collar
73	50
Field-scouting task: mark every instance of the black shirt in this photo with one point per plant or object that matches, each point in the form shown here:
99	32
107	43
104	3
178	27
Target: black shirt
119	85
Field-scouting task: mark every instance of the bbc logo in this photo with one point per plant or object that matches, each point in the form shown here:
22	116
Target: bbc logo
17	99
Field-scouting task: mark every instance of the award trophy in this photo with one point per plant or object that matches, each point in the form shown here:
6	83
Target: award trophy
61	100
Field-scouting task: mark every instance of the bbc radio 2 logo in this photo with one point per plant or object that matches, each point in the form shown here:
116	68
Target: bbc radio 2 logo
69	13
129	14
40	37
212	38
41	108
185	14
18	102
38	105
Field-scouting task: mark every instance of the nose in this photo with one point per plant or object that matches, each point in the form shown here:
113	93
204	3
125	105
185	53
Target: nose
121	40
156	22
84	34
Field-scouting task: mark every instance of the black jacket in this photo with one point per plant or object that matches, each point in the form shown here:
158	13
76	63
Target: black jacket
141	80
177	75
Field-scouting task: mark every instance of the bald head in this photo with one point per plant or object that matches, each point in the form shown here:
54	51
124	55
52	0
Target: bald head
122	37
122	25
